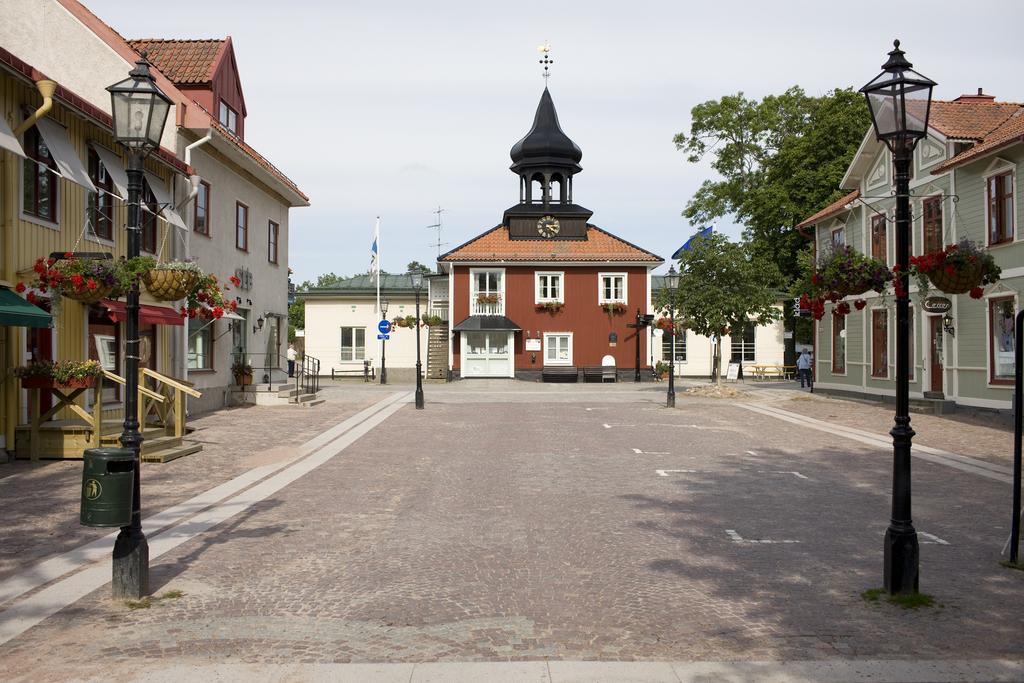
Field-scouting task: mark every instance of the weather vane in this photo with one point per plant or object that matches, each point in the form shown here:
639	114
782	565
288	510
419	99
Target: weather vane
547	61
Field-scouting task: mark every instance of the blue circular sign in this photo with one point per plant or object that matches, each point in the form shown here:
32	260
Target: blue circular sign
384	327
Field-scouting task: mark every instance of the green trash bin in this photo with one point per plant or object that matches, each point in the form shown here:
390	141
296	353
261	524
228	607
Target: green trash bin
107	478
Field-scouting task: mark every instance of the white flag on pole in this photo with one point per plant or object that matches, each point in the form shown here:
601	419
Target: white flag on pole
375	259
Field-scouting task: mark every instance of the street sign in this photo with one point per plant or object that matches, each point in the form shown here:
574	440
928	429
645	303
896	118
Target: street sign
383	337
384	327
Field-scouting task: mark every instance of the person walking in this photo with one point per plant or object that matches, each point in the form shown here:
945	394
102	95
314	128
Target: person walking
291	360
803	368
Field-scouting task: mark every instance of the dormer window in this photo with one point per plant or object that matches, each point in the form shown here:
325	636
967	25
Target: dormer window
228	118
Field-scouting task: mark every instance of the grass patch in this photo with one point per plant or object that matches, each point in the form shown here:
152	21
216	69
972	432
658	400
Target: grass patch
908	601
150	600
1010	565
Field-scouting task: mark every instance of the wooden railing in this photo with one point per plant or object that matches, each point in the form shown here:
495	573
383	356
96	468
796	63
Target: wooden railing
170	408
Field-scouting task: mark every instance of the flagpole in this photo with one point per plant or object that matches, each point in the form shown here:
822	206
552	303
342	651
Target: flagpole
376	241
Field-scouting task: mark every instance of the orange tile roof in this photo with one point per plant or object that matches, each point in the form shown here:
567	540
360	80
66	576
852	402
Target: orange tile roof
970	119
600	246
182	61
1010	132
830	210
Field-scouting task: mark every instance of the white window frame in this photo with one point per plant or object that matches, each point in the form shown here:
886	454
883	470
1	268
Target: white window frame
989	349
743	344
547	336
473	272
341	345
226	122
537	286
600	288
206	330
58	194
998	167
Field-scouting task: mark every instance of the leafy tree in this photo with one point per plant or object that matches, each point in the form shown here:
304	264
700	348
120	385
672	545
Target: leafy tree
722	287
297	311
417	267
780	159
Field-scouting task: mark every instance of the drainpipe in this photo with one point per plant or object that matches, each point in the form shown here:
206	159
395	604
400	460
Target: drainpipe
193	191
46	89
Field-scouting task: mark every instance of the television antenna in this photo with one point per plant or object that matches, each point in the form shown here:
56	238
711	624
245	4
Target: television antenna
438	226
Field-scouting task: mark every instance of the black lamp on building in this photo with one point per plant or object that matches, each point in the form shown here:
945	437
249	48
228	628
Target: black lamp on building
139	111
417	286
672	284
899	100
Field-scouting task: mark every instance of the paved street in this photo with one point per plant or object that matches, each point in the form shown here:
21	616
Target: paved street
535	523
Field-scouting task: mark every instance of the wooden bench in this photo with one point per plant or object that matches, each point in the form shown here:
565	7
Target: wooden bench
367	372
593	374
559	373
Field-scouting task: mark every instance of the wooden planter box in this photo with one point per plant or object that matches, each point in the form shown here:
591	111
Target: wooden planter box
244	380
50	383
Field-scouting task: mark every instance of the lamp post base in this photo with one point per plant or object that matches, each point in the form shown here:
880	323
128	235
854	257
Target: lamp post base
901	561
131	565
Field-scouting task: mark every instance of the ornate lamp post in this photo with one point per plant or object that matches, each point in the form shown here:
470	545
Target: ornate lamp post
139	110
417	286
383	343
899	100
672	284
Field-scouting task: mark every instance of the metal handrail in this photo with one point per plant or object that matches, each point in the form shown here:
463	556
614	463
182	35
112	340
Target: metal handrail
307	370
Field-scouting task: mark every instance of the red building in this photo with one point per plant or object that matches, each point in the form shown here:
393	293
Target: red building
546	289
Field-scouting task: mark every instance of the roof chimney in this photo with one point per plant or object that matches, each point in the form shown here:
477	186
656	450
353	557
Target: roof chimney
980	97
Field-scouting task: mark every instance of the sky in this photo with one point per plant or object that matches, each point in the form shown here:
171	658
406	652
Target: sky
394	109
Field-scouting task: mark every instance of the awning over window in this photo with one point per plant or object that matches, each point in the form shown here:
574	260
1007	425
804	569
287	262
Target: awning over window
8	141
115	169
56	138
17	312
476	323
148	315
163	198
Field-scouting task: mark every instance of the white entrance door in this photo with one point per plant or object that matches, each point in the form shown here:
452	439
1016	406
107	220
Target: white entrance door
487	354
557	348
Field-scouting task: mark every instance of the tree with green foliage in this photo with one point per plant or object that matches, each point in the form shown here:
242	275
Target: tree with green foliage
417	267
780	159
297	311
722	287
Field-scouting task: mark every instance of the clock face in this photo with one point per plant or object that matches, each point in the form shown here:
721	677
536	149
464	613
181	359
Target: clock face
548	226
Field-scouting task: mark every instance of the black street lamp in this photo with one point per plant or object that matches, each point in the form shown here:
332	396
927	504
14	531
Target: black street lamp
139	110
899	100
417	286
383	343
642	322
672	284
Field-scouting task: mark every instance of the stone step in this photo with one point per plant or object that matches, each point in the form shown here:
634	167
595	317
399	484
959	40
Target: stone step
310	404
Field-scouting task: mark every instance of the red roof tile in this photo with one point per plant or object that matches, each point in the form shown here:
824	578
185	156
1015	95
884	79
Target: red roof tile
970	118
600	246
1010	132
182	61
830	210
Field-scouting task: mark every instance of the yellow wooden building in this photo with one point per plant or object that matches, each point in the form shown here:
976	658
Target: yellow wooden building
62	189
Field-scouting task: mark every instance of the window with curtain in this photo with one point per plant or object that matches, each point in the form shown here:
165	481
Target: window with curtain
878	241
931	208
839	344
201	217
879	343
241	226
1002	340
1000	208
680	345
743	343
101	203
39	179
353	343
613	288
200	344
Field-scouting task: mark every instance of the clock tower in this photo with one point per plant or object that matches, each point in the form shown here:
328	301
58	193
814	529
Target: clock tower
546	161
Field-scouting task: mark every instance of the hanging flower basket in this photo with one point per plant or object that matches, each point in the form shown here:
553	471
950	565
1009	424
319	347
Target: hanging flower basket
846	271
956	269
170	284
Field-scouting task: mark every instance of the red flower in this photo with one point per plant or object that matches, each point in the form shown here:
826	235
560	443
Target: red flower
31	297
50	261
39	267
184	312
896	267
977	292
859	304
77	280
20	287
235	281
950	271
815	279
68	255
234	305
218	312
92	285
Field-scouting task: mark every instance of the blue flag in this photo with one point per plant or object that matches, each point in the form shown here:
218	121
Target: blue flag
703	232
